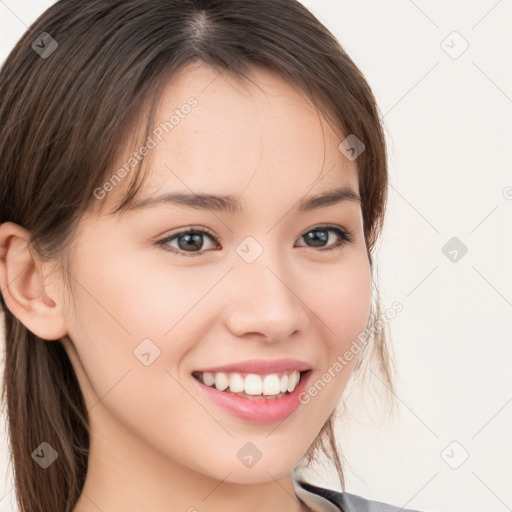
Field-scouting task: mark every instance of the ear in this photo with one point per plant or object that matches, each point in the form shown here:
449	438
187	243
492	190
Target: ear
28	295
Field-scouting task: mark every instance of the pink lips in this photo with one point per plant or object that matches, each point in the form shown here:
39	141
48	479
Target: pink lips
261	366
257	410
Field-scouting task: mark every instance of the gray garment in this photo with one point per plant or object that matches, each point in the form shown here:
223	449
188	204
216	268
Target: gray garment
319	499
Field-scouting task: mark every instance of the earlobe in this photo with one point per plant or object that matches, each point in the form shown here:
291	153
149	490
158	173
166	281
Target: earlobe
26	293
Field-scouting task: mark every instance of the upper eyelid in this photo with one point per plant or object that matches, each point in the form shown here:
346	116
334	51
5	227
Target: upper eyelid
213	235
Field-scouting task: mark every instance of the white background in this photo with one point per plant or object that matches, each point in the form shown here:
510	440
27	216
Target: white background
449	129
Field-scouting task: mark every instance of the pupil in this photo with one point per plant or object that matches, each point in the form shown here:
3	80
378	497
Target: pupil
315	238
193	241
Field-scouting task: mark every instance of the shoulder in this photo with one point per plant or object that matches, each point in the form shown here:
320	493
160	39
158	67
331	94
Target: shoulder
351	502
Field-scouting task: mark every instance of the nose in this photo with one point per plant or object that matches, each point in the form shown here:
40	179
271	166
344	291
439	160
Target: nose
263	302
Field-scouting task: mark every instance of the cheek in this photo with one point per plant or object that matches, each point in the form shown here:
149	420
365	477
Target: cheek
340	296
125	309
114	313
349	310
139	296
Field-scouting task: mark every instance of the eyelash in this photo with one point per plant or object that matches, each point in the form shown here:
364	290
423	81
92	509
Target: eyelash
345	237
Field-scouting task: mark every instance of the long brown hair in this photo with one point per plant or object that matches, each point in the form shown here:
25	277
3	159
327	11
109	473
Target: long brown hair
63	116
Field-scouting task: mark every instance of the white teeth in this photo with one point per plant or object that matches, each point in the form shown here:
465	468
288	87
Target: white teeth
271	385
293	380
253	384
208	378
284	383
236	383
221	381
268	385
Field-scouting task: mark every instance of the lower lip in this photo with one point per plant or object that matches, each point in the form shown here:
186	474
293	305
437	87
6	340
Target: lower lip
257	410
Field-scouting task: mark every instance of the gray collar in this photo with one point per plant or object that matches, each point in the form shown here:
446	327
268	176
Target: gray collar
315	502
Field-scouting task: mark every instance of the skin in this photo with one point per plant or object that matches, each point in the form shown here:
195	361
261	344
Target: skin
157	443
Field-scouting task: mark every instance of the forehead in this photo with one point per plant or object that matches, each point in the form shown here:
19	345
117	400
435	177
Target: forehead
220	133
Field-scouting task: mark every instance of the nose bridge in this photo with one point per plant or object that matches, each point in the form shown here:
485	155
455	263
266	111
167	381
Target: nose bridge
263	298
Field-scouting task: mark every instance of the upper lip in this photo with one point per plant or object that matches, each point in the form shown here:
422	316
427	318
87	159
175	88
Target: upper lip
261	366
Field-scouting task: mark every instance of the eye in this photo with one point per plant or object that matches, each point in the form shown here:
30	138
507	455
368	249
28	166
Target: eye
193	238
319	236
188	240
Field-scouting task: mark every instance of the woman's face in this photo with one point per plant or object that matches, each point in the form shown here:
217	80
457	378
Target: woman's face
146	314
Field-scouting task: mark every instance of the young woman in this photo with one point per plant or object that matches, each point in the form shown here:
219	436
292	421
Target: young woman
190	196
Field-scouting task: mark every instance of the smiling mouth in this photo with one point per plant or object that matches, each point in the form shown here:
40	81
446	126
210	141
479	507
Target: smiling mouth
251	385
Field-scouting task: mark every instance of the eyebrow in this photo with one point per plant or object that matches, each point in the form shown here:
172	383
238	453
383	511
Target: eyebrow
232	204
